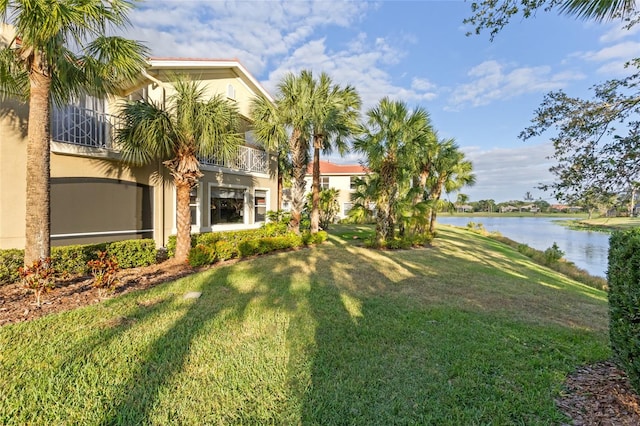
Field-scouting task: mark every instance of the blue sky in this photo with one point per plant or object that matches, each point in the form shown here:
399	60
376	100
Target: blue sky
481	93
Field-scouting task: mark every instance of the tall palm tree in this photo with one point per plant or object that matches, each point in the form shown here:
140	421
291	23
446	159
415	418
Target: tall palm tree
334	117
450	172
188	127
391	133
59	52
289	115
269	129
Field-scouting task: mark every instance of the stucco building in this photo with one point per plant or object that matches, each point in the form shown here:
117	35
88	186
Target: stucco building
96	197
339	176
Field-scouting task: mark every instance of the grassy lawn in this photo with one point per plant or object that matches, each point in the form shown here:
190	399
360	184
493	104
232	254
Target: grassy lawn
606	223
466	332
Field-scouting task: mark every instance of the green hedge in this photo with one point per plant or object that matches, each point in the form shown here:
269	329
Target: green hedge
72	260
10	261
624	302
235	237
245	243
133	253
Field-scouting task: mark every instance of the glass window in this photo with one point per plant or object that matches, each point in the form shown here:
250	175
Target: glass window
346	208
260	204
193	205
227	205
324	182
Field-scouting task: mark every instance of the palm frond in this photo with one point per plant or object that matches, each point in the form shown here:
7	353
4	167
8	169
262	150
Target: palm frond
14	79
146	134
600	10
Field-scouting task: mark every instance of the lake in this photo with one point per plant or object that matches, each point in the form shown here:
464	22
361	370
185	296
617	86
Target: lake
587	249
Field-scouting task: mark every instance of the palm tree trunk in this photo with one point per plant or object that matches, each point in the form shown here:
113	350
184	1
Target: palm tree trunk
434	214
299	169
183	219
279	207
38	197
421	182
315	188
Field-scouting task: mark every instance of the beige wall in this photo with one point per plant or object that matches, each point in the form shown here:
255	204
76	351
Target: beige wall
13	153
215	82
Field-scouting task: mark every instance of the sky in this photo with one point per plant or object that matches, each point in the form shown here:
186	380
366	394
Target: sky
478	91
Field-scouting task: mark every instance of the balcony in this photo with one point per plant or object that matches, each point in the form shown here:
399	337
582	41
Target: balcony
84	127
246	159
88	128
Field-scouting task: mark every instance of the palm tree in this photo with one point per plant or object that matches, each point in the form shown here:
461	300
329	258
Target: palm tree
190	126
269	129
388	142
334	117
450	172
59	52
289	115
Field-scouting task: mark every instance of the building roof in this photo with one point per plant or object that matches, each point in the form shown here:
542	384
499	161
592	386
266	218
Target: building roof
329	168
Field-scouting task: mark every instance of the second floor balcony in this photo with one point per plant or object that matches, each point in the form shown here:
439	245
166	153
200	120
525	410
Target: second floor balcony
89	128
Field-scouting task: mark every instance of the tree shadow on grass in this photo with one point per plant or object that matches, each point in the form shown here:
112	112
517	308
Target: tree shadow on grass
385	360
169	353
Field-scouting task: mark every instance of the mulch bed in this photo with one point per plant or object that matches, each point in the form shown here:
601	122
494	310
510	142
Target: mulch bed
598	394
17	304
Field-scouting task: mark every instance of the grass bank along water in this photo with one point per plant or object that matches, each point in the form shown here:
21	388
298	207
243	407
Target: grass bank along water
468	331
603	224
588	250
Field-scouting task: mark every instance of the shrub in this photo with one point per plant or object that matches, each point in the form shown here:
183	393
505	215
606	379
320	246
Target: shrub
294	240
422	239
133	253
104	270
225	250
201	255
72	260
398	243
320	237
10	262
249	248
38	277
553	254
624	302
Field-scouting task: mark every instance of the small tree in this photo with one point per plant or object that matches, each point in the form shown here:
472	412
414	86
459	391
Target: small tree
190	125
328	206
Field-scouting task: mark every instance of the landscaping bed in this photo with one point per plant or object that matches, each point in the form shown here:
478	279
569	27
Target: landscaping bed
17	304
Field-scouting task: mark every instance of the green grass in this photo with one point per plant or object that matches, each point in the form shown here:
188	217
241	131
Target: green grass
466	332
605	224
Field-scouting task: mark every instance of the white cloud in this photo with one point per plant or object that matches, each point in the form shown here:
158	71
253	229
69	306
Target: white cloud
504	174
492	81
624	50
254	32
361	65
618	32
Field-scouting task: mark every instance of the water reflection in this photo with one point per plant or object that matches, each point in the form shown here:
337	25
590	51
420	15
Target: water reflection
587	249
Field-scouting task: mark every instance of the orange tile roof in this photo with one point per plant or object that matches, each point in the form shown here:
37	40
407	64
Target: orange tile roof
329	168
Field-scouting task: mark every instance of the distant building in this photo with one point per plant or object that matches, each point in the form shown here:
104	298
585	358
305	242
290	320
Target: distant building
339	176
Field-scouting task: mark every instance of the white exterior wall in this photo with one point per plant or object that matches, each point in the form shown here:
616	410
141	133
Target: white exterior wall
339	182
